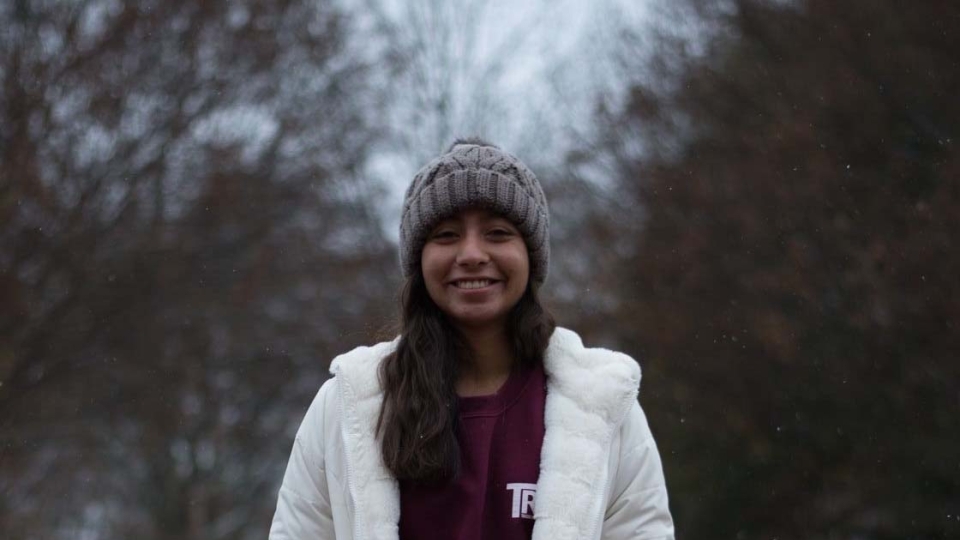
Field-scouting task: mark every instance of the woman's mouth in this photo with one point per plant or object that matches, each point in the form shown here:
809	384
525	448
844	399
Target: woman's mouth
468	284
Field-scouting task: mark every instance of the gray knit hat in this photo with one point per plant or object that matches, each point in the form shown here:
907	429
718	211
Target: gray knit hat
475	173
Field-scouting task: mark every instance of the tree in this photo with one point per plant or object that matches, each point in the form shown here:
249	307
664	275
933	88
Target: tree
186	241
785	202
465	68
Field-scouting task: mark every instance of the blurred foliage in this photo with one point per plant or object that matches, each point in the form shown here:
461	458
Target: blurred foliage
787	198
185	244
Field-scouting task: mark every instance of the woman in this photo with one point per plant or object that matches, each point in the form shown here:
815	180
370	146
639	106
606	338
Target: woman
482	419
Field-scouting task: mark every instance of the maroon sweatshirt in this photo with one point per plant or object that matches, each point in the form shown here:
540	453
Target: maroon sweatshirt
492	498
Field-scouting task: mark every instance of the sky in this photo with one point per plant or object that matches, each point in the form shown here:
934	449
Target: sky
524	74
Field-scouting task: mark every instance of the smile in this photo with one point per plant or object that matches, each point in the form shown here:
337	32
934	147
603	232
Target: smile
473	283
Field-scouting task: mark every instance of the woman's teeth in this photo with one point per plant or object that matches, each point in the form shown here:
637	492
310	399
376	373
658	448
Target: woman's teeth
473	284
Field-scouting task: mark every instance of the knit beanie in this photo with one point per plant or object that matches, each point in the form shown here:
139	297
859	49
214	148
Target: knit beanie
473	173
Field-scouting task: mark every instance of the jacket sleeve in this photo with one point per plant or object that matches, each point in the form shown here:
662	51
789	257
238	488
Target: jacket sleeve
638	508
303	505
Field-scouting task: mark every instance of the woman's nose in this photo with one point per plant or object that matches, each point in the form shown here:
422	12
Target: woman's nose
472	251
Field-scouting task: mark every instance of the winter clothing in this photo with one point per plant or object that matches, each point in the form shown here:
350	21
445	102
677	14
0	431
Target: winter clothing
492	497
475	173
600	472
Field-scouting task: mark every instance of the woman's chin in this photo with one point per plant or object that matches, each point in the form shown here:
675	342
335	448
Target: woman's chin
478	320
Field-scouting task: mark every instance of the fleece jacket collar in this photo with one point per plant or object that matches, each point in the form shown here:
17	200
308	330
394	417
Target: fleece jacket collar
589	392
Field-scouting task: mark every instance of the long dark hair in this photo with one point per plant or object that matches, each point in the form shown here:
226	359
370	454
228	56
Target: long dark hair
418	418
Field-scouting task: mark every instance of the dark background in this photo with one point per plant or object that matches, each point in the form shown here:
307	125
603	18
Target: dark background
759	205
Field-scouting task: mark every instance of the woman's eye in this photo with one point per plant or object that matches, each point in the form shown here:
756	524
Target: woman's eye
501	233
439	235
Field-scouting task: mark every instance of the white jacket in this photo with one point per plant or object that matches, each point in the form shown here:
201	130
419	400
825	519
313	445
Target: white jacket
600	472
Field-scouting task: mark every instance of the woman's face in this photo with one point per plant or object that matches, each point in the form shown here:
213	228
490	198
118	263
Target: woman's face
476	268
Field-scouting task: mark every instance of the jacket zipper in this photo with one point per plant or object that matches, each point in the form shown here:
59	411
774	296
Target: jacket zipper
351	488
598	521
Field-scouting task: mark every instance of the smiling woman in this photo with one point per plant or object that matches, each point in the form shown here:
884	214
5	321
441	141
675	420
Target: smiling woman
476	268
482	420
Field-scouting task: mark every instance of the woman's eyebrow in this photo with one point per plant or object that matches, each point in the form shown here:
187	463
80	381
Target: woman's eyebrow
444	223
502	221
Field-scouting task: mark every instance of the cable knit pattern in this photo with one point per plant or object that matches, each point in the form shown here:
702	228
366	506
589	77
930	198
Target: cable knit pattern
475	175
